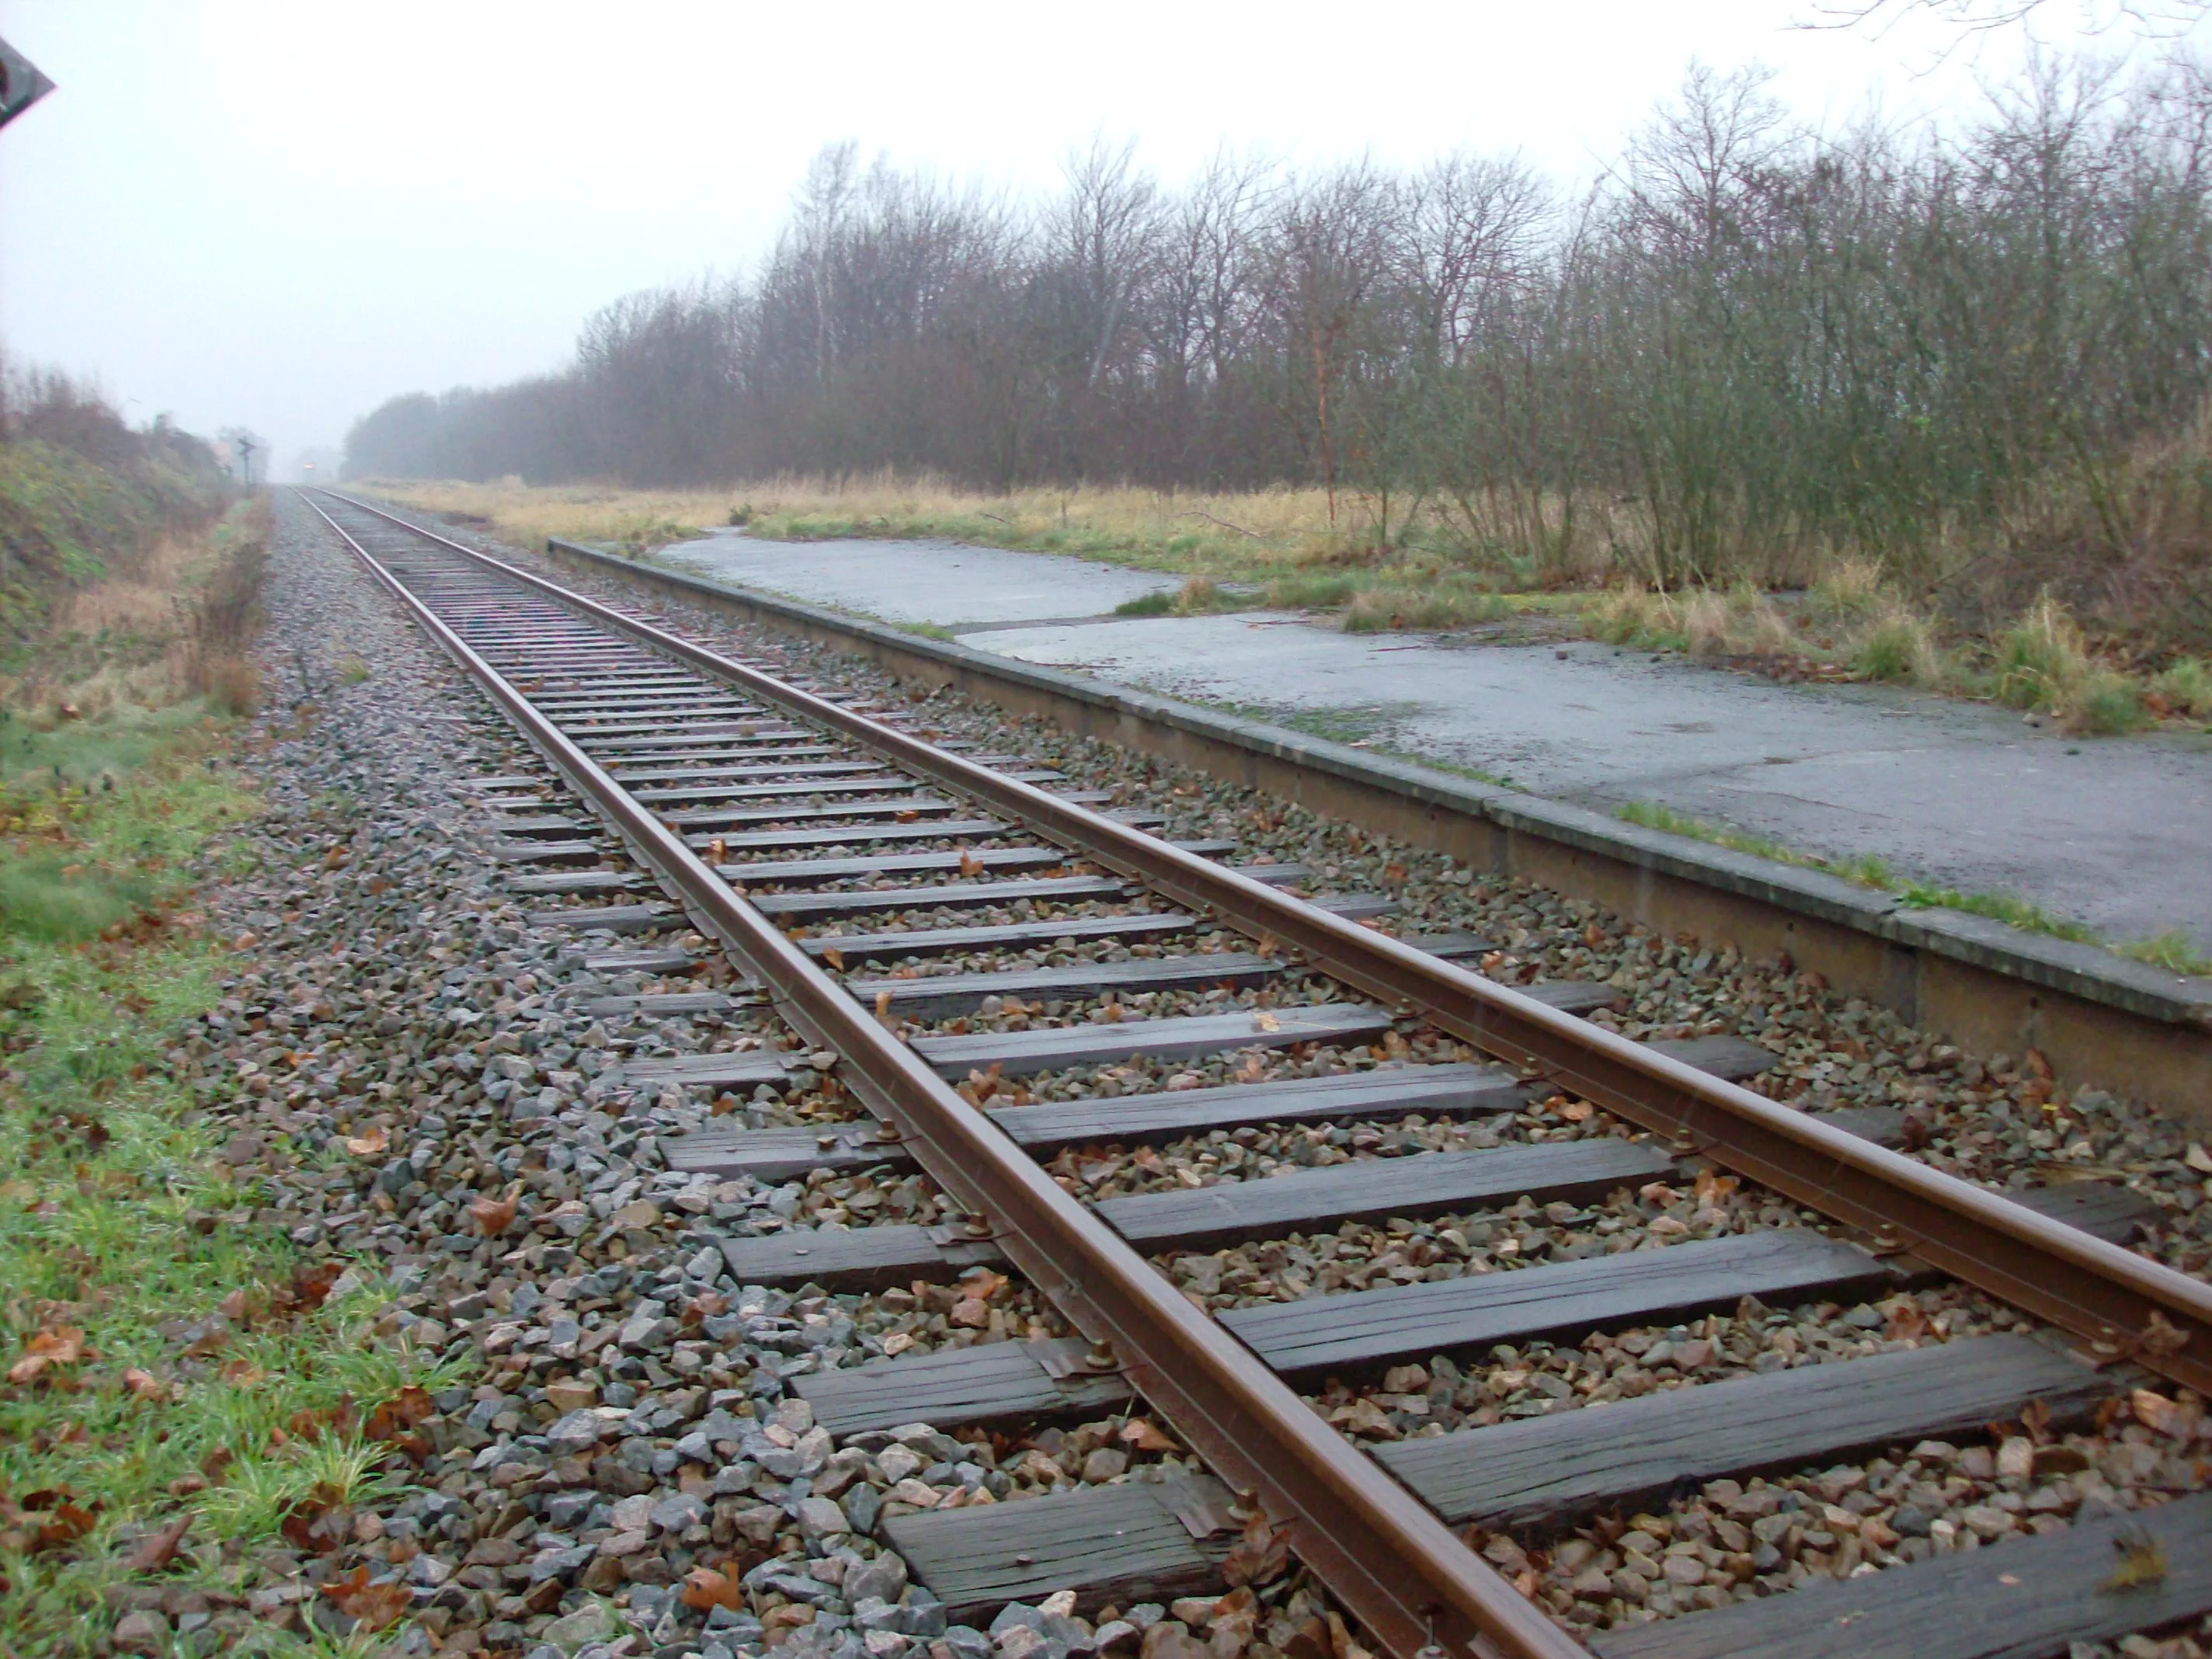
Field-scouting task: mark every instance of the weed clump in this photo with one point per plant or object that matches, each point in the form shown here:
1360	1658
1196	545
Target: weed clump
2043	664
2186	688
1898	648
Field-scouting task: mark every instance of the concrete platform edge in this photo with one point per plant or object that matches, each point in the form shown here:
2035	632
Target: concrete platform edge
2104	1020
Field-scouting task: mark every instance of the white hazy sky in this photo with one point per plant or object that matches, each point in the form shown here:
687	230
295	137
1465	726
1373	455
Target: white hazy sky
279	214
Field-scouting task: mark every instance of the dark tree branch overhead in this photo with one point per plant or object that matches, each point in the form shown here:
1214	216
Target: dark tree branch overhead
2154	19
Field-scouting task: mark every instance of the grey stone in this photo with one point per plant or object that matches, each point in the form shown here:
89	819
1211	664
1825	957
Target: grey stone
884	1577
675	1514
1013	1614
592	1622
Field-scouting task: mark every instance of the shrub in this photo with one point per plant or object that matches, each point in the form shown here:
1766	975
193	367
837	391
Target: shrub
1310	591
231	684
2041	659
1847	591
2103	704
1156	603
2186	687
1898	648
1198	594
1376	609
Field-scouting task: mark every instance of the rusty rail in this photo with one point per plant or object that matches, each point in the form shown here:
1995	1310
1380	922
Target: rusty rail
2122	1304
1392	1563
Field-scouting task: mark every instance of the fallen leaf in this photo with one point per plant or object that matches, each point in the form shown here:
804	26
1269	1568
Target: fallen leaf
242	1373
835	958
319	1522
1712	1187
368	1146
970	863
494	1216
372	1606
1907	1320
57	1345
1340	1640
144	1385
311	1426
1264	1021
410	1406
1140	1433
233	1307
69	1522
1258	1557
311	1285
1576	1111
2160	1415
158	1547
705	1589
884	1006
2161	1338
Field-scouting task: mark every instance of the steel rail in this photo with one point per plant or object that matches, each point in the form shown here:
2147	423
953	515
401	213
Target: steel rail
1394	1565
2121	1303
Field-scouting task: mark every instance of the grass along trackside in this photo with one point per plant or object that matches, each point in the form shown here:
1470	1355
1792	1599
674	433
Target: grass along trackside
1278	548
179	1384
2172	951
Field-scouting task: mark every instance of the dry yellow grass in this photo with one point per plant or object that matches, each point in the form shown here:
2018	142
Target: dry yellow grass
1172	529
527	514
140	601
172	624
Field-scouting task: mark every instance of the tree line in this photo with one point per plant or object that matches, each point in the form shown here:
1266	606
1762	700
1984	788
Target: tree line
1750	342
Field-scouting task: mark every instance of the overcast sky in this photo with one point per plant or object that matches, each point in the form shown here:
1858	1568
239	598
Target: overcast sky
279	214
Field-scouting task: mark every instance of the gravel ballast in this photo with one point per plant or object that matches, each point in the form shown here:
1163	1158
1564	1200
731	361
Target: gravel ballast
626	1424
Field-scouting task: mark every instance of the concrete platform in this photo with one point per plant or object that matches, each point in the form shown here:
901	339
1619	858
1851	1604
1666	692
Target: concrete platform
942	583
2108	831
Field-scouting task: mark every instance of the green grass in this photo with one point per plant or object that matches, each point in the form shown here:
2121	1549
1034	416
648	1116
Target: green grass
1867	872
88	857
2187	687
119	1221
1159	604
1997	906
120	738
2171	951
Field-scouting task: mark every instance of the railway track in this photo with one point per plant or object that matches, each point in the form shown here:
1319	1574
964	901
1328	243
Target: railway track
1001	978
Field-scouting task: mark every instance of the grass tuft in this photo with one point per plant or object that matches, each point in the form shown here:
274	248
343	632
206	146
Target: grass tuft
2172	949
